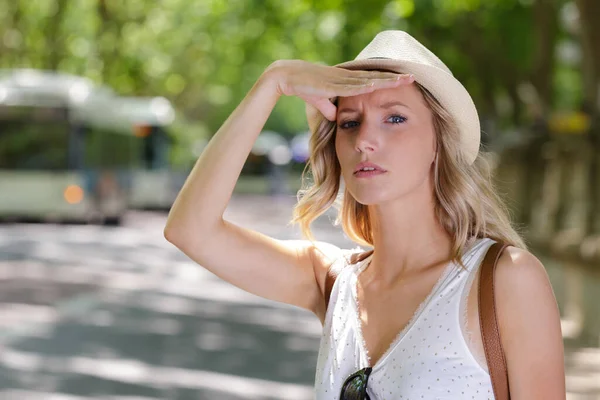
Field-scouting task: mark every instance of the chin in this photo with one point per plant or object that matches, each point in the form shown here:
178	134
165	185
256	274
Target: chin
369	195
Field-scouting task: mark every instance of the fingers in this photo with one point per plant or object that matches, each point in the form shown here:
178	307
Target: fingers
355	87
367	75
380	77
346	83
327	108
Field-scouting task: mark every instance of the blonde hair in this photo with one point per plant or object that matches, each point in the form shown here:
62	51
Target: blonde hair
466	201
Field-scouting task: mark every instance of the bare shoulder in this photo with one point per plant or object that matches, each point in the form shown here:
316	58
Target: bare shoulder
523	291
522	278
530	329
519	271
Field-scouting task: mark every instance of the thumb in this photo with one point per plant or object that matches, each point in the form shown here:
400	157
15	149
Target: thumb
326	107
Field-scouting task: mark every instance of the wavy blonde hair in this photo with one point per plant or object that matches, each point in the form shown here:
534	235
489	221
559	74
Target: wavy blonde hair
466	201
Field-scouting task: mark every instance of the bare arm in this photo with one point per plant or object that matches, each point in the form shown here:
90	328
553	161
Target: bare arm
529	327
285	271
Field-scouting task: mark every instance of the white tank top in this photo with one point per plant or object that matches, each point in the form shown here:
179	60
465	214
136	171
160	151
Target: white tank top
429	359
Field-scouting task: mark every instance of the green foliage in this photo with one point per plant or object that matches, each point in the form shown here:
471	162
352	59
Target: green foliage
205	55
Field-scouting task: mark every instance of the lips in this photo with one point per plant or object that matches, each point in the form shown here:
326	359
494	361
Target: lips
368	174
362	165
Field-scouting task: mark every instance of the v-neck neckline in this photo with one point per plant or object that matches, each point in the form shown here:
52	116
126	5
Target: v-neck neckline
449	267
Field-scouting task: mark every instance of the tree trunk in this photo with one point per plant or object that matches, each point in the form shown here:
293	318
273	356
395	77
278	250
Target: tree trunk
545	25
589	12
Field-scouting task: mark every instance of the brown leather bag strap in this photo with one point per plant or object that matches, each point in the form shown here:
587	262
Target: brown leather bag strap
335	269
488	321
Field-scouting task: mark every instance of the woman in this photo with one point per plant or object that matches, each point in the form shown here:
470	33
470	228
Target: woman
403	134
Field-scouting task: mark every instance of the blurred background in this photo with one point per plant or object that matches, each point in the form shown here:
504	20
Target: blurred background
105	106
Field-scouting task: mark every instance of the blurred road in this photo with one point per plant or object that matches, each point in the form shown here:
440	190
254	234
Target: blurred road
89	312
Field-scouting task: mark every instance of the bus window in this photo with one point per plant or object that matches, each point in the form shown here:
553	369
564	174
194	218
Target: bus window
109	150
155	148
33	138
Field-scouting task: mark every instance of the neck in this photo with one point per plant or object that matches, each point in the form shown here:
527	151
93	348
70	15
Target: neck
407	239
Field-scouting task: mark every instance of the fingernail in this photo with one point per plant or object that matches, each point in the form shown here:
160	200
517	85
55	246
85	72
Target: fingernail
409	77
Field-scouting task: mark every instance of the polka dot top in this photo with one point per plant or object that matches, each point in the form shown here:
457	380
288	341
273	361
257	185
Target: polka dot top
429	359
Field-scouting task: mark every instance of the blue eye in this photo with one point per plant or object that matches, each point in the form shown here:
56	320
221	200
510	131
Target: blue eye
348	124
397	119
394	119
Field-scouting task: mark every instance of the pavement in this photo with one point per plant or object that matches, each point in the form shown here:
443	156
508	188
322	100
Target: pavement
92	312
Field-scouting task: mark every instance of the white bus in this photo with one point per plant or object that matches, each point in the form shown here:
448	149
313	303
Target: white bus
67	149
154	183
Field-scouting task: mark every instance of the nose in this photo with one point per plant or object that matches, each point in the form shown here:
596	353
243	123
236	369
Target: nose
365	139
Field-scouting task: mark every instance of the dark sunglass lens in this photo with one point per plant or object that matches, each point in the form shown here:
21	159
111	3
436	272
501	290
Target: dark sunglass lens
355	387
354	391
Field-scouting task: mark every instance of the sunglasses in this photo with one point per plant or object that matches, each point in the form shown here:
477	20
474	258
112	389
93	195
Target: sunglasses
355	387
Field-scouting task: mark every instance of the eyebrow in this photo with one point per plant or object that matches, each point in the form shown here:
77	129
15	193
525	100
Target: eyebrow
389	104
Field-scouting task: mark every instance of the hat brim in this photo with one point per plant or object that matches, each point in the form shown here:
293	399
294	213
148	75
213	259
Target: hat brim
448	91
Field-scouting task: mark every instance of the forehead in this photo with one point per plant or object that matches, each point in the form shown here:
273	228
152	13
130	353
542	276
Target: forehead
407	94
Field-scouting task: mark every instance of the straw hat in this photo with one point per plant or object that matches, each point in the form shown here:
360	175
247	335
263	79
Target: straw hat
399	52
